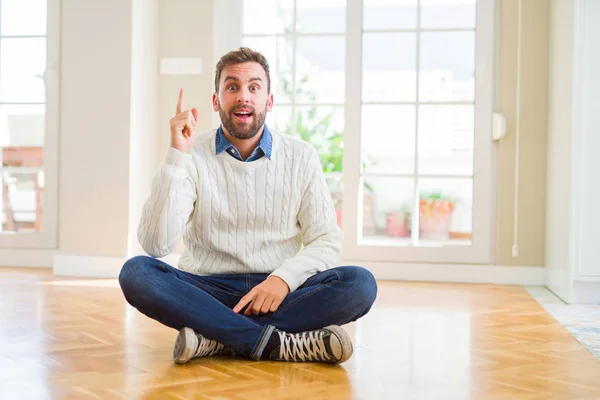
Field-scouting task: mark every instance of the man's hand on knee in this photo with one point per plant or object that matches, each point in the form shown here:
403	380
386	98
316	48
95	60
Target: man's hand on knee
264	297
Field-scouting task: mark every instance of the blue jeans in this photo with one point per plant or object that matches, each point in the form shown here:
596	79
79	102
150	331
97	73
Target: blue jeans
180	299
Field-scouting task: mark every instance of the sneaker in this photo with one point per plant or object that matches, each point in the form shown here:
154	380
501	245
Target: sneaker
330	345
190	344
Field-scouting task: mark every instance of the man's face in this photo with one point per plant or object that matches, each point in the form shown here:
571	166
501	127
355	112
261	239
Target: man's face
243	99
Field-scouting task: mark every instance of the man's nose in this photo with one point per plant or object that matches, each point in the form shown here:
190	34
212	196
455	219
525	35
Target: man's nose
244	96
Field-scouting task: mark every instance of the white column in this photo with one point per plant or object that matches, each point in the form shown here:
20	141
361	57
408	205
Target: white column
573	217
586	147
144	86
558	195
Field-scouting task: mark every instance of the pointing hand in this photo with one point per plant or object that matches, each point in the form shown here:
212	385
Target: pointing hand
183	126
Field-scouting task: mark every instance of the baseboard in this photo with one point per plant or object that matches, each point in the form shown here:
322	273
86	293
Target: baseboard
94	266
28	258
109	267
87	266
458	273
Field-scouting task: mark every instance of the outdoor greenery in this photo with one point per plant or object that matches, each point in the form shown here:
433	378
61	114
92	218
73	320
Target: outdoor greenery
314	128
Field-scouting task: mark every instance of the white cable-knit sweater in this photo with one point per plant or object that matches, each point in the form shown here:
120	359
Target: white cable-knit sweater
266	216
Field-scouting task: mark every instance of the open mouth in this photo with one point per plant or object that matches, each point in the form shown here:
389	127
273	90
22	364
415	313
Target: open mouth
242	115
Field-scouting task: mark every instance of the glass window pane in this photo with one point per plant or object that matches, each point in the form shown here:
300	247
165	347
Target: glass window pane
388	139
279	54
22	125
23	17
280	119
447	66
267	16
320	69
446	140
448	13
445	211
22	190
387	203
389	14
323	127
389	67
318	16
22	62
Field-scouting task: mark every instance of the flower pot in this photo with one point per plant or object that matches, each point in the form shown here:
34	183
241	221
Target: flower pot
397	225
435	219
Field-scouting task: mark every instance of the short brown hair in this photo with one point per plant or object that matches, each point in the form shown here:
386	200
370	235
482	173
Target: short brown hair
242	55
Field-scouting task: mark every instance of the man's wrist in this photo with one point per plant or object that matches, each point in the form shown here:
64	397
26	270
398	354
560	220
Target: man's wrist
176	157
275	277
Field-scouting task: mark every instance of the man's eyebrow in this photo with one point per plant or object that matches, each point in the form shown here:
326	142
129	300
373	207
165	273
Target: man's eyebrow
233	78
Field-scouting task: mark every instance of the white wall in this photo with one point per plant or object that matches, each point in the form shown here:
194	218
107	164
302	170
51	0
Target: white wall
107	136
573	217
559	148
95	126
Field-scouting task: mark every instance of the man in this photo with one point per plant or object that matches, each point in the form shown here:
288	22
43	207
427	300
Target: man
258	276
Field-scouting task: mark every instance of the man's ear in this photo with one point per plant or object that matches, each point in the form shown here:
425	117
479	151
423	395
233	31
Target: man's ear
215	101
270	102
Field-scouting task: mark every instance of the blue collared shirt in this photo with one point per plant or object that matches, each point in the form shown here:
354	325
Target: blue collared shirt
263	149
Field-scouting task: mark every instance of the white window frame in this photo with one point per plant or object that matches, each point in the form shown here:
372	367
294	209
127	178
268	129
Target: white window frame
47	238
228	35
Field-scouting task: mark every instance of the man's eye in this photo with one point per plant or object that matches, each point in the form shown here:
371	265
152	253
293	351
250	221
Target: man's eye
231	87
254	88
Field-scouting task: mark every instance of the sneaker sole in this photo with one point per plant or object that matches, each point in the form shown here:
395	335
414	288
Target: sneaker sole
185	344
345	341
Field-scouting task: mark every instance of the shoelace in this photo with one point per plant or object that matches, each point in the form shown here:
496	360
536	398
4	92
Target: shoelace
305	346
208	347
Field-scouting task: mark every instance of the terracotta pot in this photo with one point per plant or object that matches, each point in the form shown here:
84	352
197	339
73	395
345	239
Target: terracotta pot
435	219
396	225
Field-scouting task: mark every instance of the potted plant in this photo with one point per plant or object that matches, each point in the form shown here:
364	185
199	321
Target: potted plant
398	224
435	215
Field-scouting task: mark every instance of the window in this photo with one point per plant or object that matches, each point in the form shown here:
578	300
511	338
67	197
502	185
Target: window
27	110
396	97
417	120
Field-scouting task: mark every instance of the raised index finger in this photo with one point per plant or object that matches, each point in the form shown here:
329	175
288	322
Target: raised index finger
180	101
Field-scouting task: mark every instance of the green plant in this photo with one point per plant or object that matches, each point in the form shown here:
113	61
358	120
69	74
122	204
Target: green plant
328	142
314	128
437	196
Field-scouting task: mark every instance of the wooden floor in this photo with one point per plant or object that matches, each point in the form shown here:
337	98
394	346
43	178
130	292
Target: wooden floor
77	339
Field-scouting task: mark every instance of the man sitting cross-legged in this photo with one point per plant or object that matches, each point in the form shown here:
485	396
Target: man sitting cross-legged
258	277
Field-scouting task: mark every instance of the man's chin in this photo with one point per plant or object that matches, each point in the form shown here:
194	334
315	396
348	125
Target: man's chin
244	134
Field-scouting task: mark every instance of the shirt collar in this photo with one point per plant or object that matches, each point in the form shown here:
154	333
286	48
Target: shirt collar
265	144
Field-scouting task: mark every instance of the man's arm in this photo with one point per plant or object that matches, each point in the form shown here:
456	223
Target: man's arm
173	194
320	233
171	202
